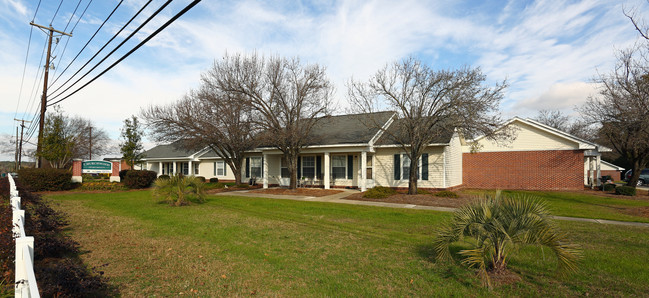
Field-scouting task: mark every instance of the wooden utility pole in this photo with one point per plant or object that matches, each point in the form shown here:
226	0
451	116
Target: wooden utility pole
16	166
50	32
20	146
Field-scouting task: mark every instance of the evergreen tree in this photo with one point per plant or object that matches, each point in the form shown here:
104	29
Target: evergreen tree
132	147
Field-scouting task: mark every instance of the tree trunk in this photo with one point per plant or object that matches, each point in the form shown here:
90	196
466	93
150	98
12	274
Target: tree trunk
635	175
412	180
237	175
291	158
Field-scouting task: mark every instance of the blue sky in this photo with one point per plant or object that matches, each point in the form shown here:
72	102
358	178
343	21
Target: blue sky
549	51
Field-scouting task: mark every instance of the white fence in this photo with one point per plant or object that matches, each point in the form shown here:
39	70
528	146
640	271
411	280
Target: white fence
25	279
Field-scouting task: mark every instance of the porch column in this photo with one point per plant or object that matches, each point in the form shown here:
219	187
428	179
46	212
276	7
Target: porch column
363	165
159	168
173	170
598	163
265	174
590	172
190	171
326	170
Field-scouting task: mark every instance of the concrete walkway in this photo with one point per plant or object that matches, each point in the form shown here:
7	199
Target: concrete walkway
339	198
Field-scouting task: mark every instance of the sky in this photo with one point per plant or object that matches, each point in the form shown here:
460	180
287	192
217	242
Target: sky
549	52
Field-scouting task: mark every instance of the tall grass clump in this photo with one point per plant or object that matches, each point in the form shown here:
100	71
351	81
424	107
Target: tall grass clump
179	190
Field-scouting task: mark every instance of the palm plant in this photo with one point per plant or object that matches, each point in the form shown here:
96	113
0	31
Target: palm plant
179	190
499	224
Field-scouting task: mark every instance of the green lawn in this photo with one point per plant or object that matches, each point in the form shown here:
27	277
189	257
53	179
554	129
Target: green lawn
247	246
575	204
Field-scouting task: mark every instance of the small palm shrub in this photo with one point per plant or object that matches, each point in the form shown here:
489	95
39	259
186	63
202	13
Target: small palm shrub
379	192
499	224
446	194
164	177
179	190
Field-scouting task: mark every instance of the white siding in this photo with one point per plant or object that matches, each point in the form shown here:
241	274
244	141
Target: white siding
206	169
384	168
528	138
453	165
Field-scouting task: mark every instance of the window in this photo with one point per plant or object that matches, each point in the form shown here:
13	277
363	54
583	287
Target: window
308	166
339	166
219	168
284	169
184	168
369	167
196	168
255	166
405	169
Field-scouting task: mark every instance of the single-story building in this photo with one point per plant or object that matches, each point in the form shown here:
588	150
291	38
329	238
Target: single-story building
346	152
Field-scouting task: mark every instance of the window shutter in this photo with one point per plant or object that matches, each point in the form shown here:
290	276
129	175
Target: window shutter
262	166
424	166
215	168
397	167
299	168
225	169
318	167
350	167
247	167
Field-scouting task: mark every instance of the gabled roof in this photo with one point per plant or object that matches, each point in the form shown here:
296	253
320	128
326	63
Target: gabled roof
168	151
387	139
583	144
617	168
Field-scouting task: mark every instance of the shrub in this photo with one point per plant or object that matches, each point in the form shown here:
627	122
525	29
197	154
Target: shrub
7	246
201	178
139	179
214	180
422	191
101	185
446	194
179	190
164	177
625	190
45	179
242	185
499	225
122	174
609	186
379	192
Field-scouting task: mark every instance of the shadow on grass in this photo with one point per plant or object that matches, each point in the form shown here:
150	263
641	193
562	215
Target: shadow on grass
448	269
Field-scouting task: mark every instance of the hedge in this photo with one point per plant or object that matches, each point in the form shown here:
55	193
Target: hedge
625	190
45	179
139	179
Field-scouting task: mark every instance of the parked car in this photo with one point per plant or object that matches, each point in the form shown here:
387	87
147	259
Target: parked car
644	176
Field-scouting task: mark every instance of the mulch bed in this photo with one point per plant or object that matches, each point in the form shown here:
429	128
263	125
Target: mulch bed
311	192
423	200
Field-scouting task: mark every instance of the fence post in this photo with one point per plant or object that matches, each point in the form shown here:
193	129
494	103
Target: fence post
15	203
22	283
18	223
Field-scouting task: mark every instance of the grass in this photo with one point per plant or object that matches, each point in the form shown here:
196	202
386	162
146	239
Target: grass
245	246
584	205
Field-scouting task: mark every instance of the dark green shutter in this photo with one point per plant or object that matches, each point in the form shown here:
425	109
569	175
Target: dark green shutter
215	168
424	166
318	167
225	169
247	167
262	166
397	167
350	167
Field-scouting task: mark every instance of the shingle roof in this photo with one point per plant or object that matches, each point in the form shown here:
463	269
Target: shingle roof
348	129
443	137
168	151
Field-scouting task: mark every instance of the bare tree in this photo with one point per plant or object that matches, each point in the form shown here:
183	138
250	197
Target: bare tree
638	22
206	117
287	97
429	103
574	126
621	111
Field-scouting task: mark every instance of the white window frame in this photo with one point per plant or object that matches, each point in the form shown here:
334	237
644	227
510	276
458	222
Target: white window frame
403	159
282	166
314	166
344	157
220	166
196	166
261	173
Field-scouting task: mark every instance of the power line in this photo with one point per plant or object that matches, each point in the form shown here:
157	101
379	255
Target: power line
106	44
111	52
67	40
91	38
37	80
174	18
55	13
35	12
22	81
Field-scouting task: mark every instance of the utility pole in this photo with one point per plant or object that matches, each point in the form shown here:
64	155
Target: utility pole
16	166
20	146
50	32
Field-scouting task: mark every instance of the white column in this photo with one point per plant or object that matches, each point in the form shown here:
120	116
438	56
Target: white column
190	171
598	163
173	170
159	168
326	170
590	172
363	165
265	174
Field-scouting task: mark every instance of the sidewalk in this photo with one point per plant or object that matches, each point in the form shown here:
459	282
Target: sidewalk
339	198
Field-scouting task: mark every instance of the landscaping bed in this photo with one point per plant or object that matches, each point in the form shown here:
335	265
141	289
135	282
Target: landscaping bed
421	199
311	192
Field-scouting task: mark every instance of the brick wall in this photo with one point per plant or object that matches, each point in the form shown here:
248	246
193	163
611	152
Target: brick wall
76	167
615	175
533	170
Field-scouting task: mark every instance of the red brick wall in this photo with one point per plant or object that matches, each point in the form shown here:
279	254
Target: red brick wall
533	170
76	167
615	175
115	170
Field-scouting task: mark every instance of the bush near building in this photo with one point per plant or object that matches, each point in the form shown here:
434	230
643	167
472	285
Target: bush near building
45	179
139	179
